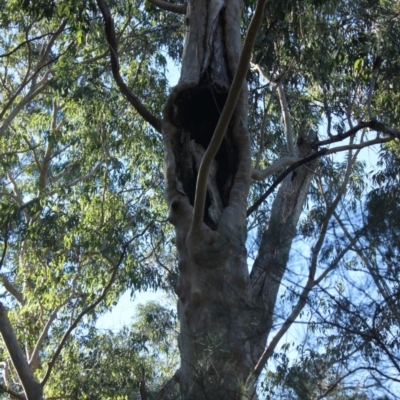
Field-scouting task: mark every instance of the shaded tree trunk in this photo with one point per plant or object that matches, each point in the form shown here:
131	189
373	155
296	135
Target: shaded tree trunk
214	286
223	325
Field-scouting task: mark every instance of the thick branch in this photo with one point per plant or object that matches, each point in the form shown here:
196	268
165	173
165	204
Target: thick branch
226	115
112	42
276	166
311	281
167	387
33	390
175	8
12	290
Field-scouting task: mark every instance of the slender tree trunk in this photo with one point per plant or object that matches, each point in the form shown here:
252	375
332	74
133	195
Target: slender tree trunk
276	242
214	286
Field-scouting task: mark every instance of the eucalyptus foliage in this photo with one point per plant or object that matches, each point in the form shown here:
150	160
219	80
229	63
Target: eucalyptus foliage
83	217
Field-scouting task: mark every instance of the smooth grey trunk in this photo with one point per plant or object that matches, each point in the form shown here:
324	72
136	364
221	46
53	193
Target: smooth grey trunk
223	318
214	288
276	242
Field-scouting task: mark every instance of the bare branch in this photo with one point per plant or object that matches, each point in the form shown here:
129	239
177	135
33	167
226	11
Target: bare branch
286	119
42	337
260	151
175	8
319	154
276	166
33	390
226	115
112	42
375	71
12	290
277	83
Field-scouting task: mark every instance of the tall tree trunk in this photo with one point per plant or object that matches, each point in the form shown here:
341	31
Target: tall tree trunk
214	288
276	242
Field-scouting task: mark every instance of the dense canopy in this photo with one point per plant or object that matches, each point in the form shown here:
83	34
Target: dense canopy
278	233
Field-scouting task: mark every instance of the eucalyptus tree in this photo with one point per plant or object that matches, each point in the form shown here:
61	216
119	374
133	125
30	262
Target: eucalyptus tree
266	90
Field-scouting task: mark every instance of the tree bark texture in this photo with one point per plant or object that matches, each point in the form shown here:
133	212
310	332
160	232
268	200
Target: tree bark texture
32	388
222	323
276	242
214	286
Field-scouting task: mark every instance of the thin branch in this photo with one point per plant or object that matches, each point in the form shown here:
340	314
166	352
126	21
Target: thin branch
33	390
175	8
33	92
282	176
306	160
286	119
260	151
11	52
44	333
33	149
112	42
44	61
341	136
375	276
88	309
374	75
16	395
227	112
5	241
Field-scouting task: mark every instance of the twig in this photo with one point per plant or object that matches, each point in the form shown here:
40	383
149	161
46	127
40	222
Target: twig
260	151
